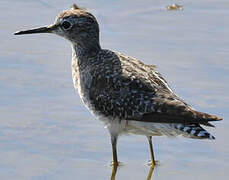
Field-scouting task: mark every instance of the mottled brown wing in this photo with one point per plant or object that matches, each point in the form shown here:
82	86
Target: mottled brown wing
170	109
126	89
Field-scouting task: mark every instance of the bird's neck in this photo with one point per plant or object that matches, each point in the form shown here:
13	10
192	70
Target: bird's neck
82	52
82	57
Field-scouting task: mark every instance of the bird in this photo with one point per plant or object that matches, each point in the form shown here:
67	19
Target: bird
127	95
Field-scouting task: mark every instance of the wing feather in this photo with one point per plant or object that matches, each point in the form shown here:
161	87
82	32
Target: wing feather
127	89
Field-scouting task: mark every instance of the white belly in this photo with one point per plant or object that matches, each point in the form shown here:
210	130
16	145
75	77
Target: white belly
139	128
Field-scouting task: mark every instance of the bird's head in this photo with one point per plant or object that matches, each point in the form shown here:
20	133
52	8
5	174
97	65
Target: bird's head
75	24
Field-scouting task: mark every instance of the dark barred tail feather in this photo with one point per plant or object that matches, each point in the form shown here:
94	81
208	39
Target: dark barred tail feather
194	131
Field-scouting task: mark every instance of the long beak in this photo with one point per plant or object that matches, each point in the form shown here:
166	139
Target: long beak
46	29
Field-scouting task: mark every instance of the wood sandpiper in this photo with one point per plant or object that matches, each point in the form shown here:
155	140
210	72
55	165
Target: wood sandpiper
129	96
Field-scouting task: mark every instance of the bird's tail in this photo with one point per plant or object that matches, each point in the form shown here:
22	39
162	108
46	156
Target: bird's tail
204	118
194	131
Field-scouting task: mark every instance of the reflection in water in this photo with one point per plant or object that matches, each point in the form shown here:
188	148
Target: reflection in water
114	170
150	173
115	167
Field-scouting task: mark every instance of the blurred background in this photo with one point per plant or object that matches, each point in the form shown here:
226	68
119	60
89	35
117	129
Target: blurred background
46	132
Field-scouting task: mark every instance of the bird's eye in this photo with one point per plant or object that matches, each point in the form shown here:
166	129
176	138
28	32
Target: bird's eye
66	25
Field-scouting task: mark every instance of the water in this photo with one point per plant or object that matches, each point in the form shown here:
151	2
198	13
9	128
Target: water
46	133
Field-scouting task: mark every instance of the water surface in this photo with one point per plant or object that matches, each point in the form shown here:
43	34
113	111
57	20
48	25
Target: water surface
46	133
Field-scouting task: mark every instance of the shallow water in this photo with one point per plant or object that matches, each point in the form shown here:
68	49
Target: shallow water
46	133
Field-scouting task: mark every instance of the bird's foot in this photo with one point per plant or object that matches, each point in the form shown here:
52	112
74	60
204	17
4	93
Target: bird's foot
116	163
153	163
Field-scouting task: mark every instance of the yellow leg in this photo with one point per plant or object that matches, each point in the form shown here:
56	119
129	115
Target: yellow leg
151	150
114	150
